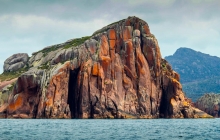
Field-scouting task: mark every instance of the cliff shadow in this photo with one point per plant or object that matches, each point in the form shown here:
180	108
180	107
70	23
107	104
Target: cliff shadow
73	94
166	109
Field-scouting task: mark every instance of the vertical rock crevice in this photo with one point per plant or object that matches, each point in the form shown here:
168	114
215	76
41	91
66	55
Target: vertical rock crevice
73	93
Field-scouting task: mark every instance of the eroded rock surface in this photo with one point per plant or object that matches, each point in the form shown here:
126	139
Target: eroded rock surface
116	73
15	62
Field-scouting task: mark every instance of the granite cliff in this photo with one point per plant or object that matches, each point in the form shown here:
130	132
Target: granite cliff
117	72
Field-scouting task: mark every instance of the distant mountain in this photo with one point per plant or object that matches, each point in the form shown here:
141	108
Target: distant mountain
199	72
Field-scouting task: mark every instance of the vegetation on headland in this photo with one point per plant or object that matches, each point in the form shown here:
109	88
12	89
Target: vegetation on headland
48	50
10	88
76	42
6	76
44	67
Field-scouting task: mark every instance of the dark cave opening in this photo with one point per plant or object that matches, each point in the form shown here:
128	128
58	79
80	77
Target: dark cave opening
73	94
163	106
165	109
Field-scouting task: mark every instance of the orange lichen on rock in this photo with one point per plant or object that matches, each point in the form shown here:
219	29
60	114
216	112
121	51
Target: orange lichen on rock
111	34
140	60
105	58
95	69
104	46
127	33
173	102
105	62
112	44
125	80
65	66
185	103
140	68
49	102
18	102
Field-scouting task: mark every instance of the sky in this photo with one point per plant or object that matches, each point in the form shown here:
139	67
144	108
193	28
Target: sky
27	26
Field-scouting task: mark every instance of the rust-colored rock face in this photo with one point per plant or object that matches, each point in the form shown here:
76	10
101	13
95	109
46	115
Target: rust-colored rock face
117	73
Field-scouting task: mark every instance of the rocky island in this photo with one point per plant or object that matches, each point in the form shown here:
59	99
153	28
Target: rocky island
210	103
118	72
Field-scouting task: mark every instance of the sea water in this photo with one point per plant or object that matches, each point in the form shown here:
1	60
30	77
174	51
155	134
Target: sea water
164	129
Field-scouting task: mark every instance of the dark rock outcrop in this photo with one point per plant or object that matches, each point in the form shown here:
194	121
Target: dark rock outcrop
210	103
15	62
118	72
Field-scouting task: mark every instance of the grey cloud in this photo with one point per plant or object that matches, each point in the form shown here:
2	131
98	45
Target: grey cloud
77	9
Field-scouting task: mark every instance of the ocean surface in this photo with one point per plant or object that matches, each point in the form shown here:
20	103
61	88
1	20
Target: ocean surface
164	129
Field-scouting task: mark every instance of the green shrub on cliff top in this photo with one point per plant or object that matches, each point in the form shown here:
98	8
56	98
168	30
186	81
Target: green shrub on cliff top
46	51
76	42
6	76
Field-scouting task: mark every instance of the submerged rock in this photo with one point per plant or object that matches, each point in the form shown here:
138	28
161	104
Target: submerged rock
118	72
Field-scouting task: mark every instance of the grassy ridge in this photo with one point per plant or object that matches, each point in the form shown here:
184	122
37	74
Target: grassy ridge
76	42
6	76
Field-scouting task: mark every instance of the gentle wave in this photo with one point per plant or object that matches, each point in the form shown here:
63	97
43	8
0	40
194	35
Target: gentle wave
163	129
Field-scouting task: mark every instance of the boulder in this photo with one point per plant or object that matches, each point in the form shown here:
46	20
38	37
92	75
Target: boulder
15	62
